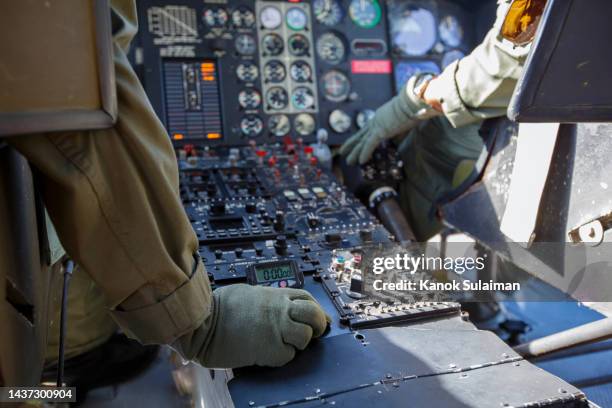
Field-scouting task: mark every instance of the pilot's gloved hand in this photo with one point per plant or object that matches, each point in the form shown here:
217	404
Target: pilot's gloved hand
255	325
399	115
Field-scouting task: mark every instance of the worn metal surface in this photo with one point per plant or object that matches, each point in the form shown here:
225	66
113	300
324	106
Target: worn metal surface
577	192
396	366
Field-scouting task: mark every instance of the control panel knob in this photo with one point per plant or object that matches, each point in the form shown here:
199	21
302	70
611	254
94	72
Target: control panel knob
313	220
365	235
356	284
280	245
279	221
238	252
211	189
333	239
250	208
217	208
218	254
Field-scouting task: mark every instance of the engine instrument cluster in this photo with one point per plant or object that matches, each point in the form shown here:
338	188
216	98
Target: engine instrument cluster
236	71
426	36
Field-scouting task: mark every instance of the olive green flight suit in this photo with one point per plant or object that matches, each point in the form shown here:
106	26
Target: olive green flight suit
113	196
479	86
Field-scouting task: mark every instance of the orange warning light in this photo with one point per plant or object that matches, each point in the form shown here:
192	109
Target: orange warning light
178	136
213	136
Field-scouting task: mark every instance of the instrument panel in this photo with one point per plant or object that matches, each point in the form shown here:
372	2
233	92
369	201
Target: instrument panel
233	72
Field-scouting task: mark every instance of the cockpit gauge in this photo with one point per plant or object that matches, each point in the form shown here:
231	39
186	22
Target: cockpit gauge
302	98
365	13
298	45
363	117
404	70
215	17
270	17
251	125
274	71
451	57
339	121
304	124
328	12
336	86
273	44
247	72
413	30
249	99
451	31
300	71
243	17
279	125
245	44
296	18
277	98
331	48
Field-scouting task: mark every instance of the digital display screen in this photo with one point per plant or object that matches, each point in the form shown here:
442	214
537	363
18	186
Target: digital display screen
226	223
273	272
192	99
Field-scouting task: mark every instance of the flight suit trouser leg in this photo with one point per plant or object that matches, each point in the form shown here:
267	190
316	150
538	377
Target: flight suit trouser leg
431	153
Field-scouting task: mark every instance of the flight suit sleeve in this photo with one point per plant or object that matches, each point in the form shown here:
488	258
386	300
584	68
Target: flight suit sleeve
113	196
481	84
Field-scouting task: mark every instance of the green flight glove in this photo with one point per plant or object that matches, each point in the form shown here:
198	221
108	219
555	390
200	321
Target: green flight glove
256	325
399	115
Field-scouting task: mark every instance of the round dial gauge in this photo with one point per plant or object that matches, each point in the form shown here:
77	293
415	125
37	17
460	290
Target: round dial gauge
304	124
451	57
339	121
273	44
299	45
243	17
302	98
336	86
279	125
270	17
247	72
414	31
251	125
215	17
274	71
328	12
296	18
245	44
277	98
451	32
331	48
363	117
365	13
300	71
249	99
